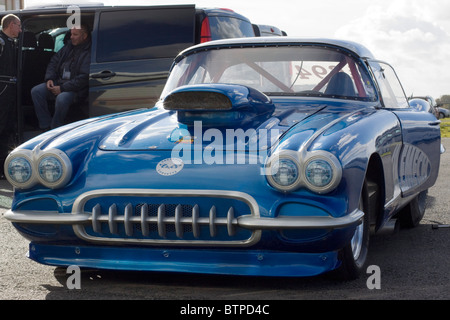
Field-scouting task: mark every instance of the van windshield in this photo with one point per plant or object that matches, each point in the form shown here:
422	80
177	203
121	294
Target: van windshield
293	70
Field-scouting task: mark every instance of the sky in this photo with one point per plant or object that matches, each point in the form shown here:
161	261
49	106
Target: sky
411	35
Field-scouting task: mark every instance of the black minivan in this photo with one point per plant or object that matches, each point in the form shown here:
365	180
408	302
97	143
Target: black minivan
132	51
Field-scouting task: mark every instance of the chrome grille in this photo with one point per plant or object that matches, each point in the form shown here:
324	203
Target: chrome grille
173	217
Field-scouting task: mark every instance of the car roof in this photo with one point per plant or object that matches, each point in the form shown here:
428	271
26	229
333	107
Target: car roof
354	47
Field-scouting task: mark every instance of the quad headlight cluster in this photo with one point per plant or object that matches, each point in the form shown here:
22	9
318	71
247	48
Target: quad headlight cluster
24	169
319	171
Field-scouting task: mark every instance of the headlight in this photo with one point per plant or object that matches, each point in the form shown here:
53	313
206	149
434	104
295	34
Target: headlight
50	169
283	171
19	169
54	169
322	172
319	171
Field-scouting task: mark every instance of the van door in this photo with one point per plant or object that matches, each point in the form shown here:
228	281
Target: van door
133	49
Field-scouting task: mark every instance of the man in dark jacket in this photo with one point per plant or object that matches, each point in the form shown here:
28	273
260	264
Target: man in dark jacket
11	28
66	80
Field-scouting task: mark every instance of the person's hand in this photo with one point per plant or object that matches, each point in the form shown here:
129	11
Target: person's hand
56	90
50	85
52	88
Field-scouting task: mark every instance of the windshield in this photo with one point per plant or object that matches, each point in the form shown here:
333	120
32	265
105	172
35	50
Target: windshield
293	70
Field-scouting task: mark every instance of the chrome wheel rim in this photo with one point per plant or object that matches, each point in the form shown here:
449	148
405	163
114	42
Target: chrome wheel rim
357	240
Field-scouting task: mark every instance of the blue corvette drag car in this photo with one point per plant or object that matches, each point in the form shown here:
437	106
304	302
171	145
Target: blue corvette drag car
264	156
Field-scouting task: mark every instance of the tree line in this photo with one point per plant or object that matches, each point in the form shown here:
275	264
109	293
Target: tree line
444	101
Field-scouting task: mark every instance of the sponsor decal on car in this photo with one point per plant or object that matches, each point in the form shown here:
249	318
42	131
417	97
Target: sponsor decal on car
169	166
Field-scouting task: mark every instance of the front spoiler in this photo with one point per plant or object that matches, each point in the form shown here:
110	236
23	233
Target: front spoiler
205	261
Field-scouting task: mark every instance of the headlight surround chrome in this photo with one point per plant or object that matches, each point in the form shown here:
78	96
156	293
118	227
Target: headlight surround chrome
319	171
19	169
54	169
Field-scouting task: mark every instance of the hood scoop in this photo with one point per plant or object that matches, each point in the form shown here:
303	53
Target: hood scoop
219	104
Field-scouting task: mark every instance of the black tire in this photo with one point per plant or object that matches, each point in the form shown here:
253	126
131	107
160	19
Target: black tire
412	214
353	256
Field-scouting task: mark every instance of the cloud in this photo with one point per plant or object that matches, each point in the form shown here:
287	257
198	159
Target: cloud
413	36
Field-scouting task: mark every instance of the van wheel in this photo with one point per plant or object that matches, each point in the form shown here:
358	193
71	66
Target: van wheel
353	256
412	214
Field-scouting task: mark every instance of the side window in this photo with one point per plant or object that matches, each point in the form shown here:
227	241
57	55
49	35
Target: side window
144	33
389	84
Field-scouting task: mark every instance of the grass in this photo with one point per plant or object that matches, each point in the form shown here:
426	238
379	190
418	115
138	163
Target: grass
445	128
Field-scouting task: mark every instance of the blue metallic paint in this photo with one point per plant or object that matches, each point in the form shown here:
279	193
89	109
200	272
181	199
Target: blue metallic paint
122	151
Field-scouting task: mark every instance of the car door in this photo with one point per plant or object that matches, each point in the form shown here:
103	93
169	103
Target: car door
419	158
133	49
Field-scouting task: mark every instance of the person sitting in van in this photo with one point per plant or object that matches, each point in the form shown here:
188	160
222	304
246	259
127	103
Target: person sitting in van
66	80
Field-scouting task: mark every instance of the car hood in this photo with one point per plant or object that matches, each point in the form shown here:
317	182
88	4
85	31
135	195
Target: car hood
242	119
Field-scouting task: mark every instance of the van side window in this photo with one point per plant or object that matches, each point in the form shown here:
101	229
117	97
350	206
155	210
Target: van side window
227	27
144	34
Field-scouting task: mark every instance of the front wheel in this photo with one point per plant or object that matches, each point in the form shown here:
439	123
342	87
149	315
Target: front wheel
353	256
